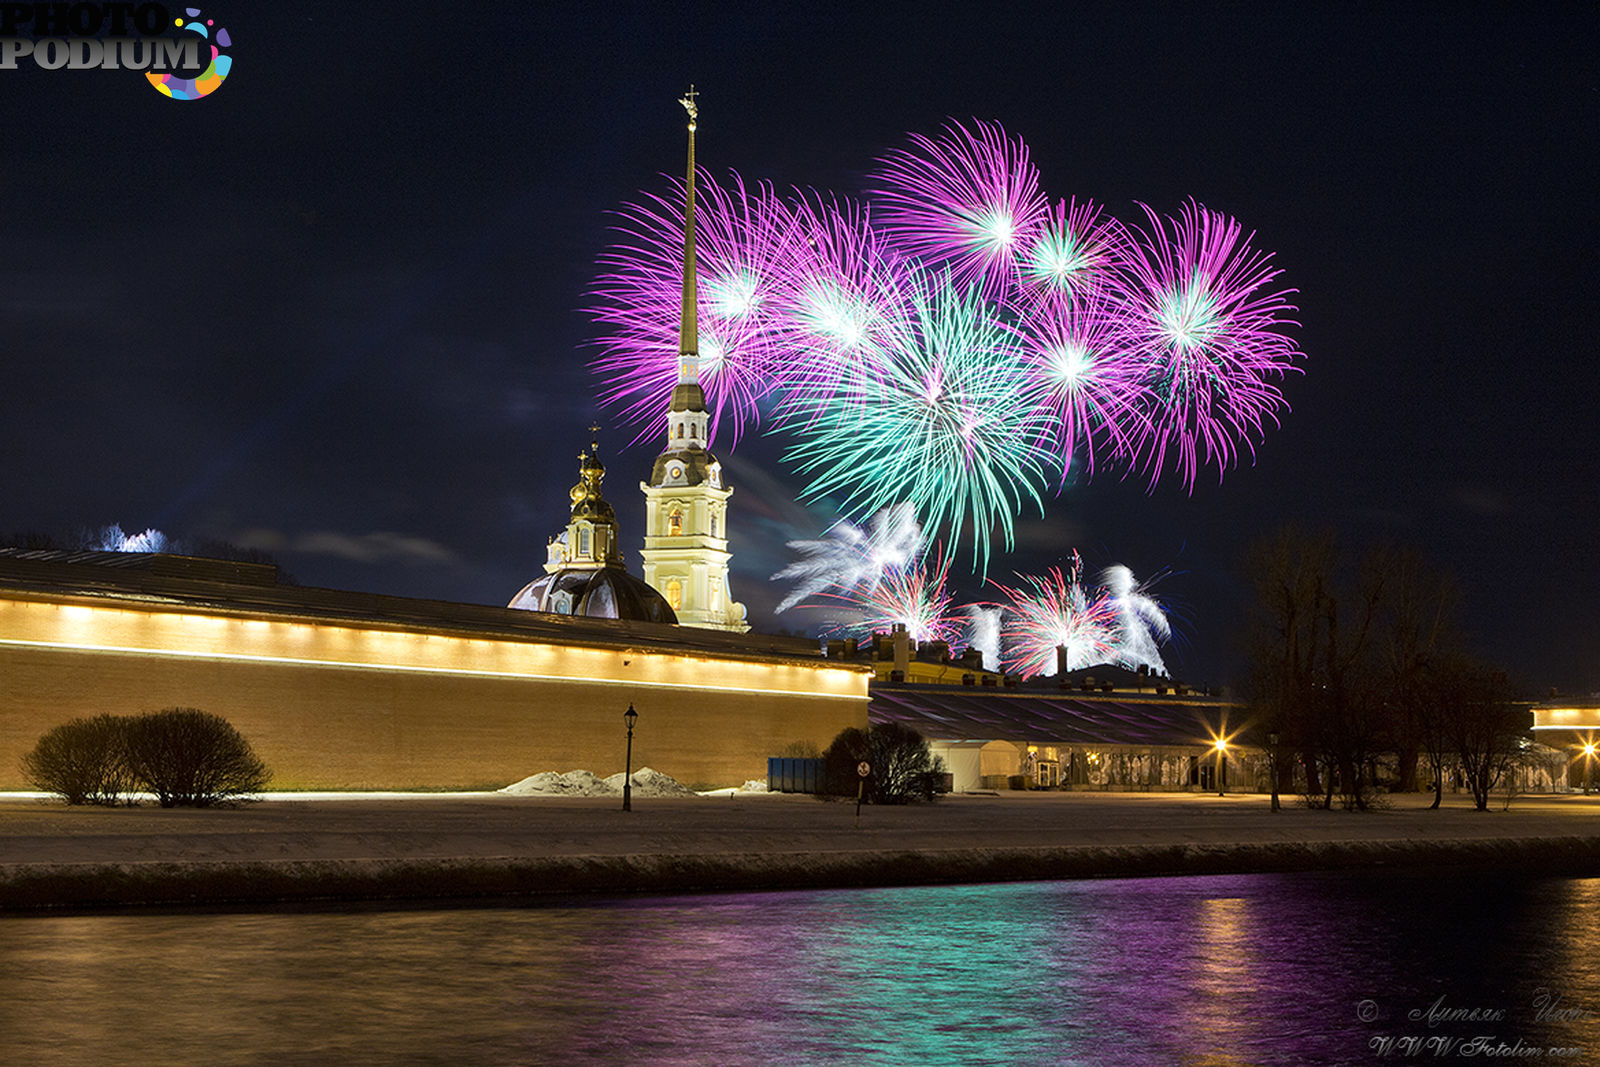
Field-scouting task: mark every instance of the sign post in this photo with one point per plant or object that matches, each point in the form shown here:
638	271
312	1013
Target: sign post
863	769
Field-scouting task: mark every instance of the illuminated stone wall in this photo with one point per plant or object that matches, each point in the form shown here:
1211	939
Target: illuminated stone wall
361	706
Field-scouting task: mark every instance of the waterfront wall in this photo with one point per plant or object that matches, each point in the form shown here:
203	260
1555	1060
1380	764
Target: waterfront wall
332	706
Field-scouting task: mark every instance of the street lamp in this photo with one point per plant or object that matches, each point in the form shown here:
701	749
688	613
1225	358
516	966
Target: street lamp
1222	751
1272	763
1588	767
630	717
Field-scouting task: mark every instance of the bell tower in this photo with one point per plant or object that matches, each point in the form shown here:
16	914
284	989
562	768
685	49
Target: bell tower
685	552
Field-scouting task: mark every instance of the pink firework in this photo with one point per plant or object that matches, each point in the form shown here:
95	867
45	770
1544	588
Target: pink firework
1077	251
1209	328
968	201
914	596
1055	612
745	242
844	304
1081	369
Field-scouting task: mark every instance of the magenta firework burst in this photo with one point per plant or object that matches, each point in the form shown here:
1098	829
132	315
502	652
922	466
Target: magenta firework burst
1077	251
1206	320
1080	368
968	201
746	239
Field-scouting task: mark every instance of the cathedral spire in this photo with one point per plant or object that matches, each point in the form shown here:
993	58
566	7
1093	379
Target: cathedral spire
688	331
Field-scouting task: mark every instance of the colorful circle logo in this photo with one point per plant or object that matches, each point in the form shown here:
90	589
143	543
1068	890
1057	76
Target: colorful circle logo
207	81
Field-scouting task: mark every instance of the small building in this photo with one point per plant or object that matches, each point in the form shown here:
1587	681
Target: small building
1106	728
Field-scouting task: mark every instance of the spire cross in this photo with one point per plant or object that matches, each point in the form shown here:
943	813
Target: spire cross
689	105
594	437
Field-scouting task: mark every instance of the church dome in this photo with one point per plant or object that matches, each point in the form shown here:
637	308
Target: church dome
604	593
584	573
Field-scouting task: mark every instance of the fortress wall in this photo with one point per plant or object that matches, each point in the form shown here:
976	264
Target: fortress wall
346	707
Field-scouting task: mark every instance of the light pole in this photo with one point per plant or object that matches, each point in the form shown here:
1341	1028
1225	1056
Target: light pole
1588	767
630	717
1222	750
1272	763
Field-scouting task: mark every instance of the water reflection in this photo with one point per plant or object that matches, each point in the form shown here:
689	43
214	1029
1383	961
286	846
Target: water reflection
1232	970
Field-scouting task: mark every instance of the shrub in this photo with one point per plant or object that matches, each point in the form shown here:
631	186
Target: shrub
192	758
83	761
903	770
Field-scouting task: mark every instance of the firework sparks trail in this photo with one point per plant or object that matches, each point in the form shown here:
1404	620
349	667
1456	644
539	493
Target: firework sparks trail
1054	612
849	559
968	201
939	426
1210	331
1141	622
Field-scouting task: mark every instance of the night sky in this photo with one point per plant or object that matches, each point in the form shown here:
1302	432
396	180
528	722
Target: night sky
334	310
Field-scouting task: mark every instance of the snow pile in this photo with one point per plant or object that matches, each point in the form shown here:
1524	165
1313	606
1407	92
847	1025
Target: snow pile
646	783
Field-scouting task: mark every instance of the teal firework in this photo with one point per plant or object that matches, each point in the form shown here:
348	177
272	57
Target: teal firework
936	422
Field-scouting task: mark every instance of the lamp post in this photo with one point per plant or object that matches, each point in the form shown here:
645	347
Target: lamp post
630	717
1222	750
1272	763
1588	767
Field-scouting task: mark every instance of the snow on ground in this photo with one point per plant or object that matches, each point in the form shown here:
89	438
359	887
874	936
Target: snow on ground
646	783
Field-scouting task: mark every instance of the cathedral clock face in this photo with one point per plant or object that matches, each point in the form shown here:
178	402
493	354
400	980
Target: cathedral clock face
675	471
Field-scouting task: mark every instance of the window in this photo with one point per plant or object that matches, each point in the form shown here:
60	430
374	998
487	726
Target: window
583	542
674	522
694	432
675	594
716	524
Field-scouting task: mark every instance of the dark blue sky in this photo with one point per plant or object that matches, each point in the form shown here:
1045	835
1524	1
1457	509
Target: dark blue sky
333	309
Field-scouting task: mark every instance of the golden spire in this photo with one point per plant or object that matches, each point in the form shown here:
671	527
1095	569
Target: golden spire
688	332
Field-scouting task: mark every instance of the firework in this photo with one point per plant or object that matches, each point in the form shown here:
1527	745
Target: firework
968	201
1209	328
1141	622
745	240
1081	372
1077	249
938	425
849	559
983	633
1057	612
843	304
914	596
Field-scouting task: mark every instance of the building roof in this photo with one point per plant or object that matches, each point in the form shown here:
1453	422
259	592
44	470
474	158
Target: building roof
157	581
600	593
967	713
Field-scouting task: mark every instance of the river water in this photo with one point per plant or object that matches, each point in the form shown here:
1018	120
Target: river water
1325	968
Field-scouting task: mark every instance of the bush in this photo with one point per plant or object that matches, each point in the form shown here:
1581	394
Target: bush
83	761
192	758
903	770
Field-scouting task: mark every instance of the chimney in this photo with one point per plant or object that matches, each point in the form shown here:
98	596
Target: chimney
902	650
